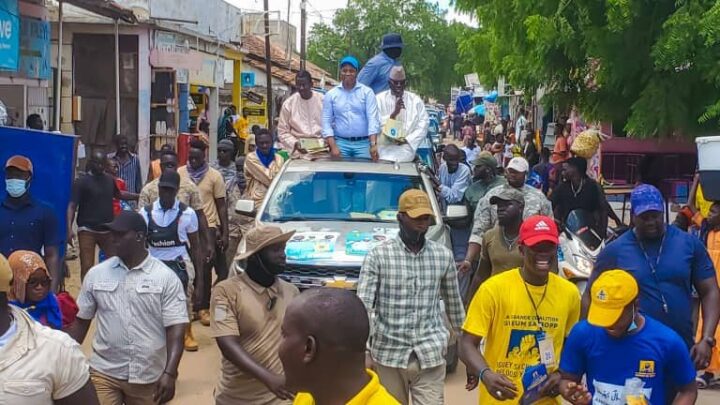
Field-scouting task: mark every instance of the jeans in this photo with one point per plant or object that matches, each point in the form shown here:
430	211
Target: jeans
353	149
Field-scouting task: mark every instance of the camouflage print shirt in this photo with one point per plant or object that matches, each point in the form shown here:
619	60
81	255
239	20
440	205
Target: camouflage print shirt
486	214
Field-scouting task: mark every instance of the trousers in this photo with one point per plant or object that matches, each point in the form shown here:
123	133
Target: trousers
425	387
353	149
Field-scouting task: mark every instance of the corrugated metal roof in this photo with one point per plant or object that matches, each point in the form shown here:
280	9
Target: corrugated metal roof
106	8
282	68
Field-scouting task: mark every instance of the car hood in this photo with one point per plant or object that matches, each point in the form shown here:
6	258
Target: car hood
338	243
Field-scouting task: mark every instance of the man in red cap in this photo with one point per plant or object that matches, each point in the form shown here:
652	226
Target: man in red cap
523	316
26	223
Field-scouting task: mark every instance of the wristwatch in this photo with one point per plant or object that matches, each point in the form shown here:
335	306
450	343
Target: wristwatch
710	340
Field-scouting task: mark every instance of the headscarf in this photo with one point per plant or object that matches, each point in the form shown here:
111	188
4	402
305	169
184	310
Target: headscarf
23	264
266	160
196	175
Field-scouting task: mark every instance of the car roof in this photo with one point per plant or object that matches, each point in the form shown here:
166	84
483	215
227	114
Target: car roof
352	165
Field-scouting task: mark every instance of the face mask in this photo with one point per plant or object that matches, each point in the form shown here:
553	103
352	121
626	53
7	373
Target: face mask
15	187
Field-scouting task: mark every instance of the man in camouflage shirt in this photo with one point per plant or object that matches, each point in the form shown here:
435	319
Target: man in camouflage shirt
486	214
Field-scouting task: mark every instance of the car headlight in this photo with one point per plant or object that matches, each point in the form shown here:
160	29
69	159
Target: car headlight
583	265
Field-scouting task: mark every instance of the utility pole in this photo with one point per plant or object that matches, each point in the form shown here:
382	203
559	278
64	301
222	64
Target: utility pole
268	69
303	18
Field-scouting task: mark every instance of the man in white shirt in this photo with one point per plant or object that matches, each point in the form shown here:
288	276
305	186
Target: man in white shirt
173	225
409	110
141	315
38	365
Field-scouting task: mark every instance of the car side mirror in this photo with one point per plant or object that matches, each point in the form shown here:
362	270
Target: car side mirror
454	212
245	207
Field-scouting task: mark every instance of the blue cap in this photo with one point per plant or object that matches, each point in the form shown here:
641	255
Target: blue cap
350	60
392	40
646	198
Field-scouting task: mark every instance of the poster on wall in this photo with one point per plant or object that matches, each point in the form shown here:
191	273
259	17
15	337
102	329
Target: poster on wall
35	49
9	35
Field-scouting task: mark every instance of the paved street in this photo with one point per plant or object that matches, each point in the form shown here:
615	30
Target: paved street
199	371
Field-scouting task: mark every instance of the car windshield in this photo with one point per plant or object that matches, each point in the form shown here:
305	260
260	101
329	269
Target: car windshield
337	196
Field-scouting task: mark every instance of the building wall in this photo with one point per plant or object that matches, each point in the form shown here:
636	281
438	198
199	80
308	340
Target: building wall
282	34
67	88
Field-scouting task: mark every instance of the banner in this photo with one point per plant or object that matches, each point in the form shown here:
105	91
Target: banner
35	49
9	35
53	161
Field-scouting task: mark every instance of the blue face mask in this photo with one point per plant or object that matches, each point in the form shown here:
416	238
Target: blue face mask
15	187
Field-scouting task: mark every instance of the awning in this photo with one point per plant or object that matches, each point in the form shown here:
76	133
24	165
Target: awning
106	8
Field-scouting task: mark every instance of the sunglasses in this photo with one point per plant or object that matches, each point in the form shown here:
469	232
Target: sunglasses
45	282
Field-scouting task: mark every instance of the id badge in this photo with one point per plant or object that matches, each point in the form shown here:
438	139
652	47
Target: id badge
546	348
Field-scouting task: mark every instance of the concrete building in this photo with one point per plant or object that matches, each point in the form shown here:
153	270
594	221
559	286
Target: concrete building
171	71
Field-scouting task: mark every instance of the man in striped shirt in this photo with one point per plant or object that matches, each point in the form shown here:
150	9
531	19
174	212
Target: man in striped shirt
129	165
401	284
141	314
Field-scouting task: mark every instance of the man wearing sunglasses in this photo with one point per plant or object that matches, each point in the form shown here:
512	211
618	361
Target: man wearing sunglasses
246	314
404	111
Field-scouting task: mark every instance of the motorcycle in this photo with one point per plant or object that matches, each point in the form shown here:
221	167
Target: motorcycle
579	247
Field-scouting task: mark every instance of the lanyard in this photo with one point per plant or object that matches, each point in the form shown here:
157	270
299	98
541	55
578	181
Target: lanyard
654	266
532	301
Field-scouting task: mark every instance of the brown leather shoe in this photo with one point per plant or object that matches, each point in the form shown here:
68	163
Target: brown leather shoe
191	344
204	315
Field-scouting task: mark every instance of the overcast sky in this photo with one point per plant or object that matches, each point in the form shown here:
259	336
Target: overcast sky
320	10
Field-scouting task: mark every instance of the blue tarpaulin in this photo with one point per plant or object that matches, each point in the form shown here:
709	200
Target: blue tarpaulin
53	161
463	103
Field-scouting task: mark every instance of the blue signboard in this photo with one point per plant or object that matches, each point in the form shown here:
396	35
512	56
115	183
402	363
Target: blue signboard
35	49
248	79
9	35
53	166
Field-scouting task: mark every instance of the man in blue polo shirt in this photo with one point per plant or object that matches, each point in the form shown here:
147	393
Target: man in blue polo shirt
667	263
350	121
376	72
26	223
617	343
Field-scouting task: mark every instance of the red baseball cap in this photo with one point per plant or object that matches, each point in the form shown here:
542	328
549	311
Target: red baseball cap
537	229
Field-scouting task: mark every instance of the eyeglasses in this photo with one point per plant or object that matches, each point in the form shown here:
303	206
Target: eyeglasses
45	282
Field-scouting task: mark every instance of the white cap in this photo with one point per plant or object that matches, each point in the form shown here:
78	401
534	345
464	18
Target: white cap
519	164
397	73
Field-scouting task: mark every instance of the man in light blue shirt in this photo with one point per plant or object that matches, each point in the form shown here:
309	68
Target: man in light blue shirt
376	72
453	179
351	121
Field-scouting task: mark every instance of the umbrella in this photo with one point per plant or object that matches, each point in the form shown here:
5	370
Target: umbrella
479	110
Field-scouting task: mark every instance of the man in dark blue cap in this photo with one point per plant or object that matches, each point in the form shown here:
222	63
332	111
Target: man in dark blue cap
376	72
350	118
667	264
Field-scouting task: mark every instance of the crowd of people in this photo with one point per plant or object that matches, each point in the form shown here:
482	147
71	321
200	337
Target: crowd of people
631	337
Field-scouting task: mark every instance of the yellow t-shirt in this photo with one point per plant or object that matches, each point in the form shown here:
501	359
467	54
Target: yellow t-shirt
241	127
502	313
372	394
702	204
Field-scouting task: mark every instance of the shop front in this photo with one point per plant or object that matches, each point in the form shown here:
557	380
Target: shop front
24	62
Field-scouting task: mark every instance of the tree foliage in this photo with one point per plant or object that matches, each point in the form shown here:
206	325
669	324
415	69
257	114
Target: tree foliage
430	41
651	66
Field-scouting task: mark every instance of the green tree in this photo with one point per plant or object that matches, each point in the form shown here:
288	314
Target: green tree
649	66
430	53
